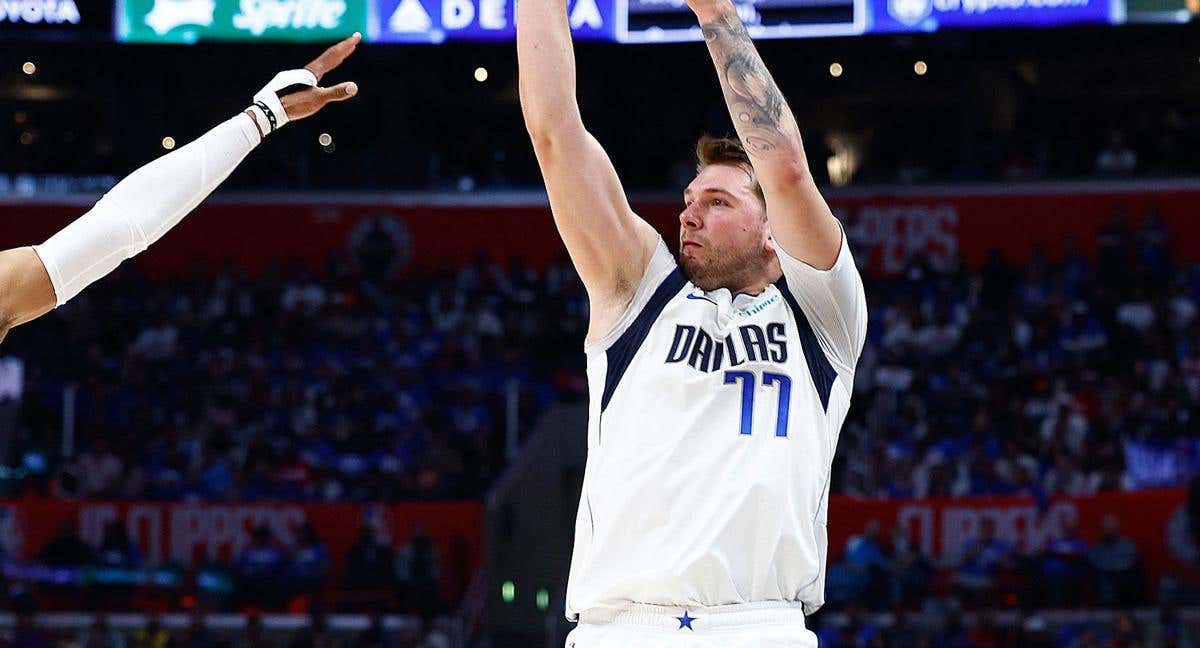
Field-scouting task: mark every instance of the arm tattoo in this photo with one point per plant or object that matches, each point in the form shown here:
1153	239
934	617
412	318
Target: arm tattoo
755	103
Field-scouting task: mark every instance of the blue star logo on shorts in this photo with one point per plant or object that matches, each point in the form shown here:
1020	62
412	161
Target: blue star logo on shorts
685	621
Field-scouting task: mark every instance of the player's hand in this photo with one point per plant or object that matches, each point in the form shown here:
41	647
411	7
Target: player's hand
707	10
310	101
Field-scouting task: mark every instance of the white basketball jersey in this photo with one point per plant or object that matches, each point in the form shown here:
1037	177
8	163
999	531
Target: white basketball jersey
712	426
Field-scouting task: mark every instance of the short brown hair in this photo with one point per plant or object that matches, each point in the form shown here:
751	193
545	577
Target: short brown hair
730	152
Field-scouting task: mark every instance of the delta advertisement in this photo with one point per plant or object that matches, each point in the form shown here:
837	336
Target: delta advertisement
409	21
436	21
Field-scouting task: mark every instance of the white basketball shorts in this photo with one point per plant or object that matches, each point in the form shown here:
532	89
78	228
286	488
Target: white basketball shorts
749	625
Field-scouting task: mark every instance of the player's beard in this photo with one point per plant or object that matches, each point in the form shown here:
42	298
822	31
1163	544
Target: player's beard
731	268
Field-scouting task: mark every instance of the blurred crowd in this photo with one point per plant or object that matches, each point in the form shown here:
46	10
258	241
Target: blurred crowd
1046	378
338	386
1061	375
879	572
1070	376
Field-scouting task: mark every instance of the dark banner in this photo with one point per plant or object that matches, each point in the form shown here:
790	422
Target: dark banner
885	231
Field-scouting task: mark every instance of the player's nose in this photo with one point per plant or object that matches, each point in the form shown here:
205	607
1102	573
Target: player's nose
689	218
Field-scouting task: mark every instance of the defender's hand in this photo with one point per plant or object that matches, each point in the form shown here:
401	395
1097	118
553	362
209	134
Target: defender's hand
310	101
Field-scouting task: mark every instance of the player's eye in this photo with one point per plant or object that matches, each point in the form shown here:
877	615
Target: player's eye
717	202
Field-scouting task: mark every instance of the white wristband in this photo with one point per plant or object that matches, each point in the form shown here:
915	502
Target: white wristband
261	123
266	101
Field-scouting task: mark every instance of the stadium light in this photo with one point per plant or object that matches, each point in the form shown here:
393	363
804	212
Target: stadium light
508	591
325	139
29	68
920	67
26	138
168	142
481	74
543	599
835	69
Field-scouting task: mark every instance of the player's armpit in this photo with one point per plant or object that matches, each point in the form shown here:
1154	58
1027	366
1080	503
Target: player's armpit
609	244
25	289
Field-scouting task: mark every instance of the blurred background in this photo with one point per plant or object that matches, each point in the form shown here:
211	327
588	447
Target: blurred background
344	402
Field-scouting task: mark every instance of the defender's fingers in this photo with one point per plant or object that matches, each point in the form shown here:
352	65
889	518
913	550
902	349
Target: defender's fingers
339	92
333	57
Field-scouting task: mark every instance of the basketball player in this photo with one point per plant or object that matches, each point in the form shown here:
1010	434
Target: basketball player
719	380
153	199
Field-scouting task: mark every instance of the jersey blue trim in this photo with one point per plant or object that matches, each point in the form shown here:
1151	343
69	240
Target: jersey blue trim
822	371
621	353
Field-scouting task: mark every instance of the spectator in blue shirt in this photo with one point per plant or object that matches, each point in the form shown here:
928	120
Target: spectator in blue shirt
983	559
310	563
1118	567
260	568
369	563
1064	567
865	557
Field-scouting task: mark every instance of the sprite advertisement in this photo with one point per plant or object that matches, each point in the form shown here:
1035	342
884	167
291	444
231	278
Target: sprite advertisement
189	21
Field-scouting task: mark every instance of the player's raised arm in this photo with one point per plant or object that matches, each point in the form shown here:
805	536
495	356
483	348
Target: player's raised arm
800	220
609	245
154	198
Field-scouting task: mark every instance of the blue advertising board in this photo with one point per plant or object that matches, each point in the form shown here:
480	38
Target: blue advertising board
932	15
435	21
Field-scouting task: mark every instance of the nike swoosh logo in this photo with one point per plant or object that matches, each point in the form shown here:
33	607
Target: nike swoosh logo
702	297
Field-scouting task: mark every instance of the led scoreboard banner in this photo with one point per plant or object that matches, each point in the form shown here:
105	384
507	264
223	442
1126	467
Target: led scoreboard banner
648	21
622	21
656	21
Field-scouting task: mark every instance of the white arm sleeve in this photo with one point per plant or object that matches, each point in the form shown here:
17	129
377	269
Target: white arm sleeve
143	206
834	302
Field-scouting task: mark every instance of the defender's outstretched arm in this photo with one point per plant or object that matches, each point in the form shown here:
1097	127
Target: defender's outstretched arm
154	198
800	220
609	245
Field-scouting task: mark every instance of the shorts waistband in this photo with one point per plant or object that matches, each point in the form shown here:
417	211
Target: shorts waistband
699	617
